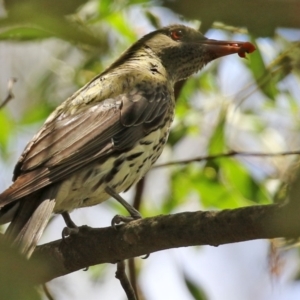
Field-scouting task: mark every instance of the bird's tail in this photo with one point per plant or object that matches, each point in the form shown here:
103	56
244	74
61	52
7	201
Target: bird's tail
30	220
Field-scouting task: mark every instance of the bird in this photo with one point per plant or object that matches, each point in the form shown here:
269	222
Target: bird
107	135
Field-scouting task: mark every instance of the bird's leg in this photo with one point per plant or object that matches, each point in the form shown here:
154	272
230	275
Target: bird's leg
134	214
68	220
71	226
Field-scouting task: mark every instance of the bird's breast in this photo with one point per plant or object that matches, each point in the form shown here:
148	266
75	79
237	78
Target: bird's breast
119	172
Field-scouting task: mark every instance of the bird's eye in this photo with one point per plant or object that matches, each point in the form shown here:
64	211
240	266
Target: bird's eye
176	34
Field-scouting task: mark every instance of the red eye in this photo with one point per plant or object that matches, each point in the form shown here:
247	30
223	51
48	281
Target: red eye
176	35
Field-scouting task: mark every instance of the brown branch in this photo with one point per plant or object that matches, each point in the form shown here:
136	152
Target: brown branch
107	245
10	94
228	154
47	292
121	275
249	14
132	274
137	200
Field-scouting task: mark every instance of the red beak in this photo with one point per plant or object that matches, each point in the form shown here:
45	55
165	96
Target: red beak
223	48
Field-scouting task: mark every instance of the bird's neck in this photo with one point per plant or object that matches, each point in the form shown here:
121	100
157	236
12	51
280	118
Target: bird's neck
142	63
142	66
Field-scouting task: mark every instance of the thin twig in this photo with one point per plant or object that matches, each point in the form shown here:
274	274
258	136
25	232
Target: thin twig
47	293
132	274
10	94
228	154
139	190
121	275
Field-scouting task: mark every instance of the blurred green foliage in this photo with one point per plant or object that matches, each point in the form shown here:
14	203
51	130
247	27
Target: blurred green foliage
17	275
195	290
88	35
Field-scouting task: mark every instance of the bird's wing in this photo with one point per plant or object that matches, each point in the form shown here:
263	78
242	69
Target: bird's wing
68	143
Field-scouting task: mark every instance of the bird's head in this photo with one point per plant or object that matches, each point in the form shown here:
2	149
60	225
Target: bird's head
182	50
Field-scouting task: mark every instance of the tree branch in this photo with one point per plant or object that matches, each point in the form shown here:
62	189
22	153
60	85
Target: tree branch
107	245
10	94
228	154
251	14
121	275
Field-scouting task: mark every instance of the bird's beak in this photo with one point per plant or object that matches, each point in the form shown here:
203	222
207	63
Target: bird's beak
223	48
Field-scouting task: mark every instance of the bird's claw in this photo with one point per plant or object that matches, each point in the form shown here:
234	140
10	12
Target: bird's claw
67	231
117	219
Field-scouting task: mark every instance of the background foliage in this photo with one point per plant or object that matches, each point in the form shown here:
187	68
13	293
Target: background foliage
252	105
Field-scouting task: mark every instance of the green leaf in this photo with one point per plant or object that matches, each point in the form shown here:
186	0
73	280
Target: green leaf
212	191
119	23
18	276
6	123
217	142
97	273
37	114
153	19
264	78
24	33
181	186
195	290
104	8
239	178
177	133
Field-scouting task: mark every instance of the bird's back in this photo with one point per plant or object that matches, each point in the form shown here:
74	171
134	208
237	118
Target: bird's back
109	132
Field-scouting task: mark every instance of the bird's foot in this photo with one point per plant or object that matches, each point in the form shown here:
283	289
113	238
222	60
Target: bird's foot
71	228
117	219
134	214
68	231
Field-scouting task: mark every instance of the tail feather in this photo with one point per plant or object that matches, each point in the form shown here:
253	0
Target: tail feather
30	220
8	211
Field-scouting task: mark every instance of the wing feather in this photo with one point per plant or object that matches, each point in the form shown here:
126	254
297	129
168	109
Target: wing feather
66	145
